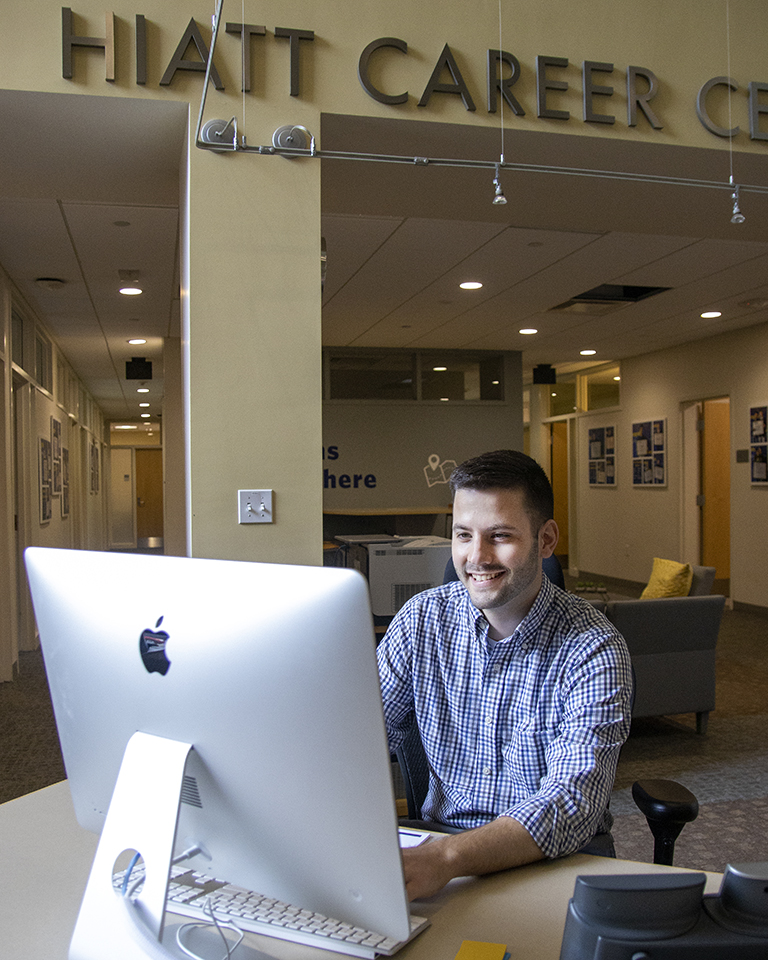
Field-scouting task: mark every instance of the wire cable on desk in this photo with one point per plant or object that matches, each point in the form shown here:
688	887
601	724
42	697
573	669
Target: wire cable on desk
128	890
220	926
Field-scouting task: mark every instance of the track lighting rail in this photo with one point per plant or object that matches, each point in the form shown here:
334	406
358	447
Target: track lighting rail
212	137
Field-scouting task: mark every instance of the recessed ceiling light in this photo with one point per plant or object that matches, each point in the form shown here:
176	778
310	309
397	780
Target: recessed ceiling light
587	353
145	404
470	285
142	390
495	383
439	369
136	341
145	415
711	315
129	283
126	426
617	378
444	398
527	331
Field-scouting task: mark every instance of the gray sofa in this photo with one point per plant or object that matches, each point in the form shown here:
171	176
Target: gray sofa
672	644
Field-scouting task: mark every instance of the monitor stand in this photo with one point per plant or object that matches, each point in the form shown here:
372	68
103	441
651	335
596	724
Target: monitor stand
142	817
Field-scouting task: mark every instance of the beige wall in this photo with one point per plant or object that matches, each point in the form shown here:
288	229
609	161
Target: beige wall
251	291
623	529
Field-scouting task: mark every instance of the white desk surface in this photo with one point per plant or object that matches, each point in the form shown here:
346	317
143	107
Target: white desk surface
45	858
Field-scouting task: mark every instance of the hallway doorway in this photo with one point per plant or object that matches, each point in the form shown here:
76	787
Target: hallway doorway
149	498
707	487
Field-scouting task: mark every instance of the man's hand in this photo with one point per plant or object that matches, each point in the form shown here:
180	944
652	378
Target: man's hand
425	869
497	845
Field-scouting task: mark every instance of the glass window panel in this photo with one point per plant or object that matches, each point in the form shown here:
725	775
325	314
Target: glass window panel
448	377
562	398
17	338
43	363
372	377
604	388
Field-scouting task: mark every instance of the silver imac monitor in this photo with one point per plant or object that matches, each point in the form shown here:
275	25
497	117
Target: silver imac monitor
266	674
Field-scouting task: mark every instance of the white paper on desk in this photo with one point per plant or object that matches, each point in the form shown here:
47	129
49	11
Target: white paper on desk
411	838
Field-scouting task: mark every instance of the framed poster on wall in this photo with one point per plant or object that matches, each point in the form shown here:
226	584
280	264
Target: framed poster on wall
55	457
46	511
649	453
602	457
758	445
64	483
95	466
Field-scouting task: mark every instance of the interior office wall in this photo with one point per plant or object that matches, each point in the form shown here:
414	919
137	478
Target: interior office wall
26	415
623	529
122	500
174	486
398	456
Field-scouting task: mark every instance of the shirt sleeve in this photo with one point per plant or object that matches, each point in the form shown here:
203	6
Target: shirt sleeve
394	656
581	751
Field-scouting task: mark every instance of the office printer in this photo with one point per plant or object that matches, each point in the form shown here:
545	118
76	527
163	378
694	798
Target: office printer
397	568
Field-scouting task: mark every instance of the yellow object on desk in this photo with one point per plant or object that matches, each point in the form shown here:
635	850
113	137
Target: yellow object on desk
478	950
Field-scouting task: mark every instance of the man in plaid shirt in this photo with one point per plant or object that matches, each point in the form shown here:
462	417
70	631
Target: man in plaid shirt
521	691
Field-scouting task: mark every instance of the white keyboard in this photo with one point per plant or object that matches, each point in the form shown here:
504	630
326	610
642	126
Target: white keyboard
188	890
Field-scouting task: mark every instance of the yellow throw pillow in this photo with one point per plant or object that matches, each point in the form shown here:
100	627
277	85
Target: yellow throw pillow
668	579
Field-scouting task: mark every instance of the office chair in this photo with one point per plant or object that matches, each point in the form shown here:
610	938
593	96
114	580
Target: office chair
666	804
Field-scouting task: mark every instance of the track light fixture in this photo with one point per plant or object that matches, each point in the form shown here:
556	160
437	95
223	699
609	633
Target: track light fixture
498	196
738	216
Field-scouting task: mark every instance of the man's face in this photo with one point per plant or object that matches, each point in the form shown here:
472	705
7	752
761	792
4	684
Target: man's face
496	550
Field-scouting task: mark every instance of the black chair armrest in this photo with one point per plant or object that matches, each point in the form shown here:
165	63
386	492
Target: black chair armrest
667	806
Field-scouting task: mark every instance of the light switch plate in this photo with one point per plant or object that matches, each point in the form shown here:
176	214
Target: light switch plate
254	506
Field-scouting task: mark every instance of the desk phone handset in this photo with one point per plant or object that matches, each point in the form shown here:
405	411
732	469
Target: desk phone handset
666	916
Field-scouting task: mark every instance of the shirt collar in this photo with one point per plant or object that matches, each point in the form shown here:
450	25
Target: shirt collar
528	629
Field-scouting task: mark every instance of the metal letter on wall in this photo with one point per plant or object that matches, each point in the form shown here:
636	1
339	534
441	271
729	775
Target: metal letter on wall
362	70
69	40
246	31
496	82
701	106
591	89
294	36
543	83
635	100
755	109
191	35
447	60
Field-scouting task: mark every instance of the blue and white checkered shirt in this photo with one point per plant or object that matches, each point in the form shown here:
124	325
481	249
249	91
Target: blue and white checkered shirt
529	727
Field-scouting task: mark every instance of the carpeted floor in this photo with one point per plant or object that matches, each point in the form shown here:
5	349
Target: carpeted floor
727	769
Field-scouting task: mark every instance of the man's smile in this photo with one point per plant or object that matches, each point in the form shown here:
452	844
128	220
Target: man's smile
482	577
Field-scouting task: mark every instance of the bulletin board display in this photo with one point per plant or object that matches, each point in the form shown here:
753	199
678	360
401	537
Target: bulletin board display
602	457
649	453
758	445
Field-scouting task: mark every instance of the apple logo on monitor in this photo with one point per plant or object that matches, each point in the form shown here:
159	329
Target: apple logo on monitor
152	648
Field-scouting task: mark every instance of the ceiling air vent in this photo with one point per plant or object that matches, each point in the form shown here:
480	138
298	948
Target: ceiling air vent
606	297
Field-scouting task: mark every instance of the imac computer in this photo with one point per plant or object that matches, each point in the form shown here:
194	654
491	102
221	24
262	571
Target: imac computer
225	706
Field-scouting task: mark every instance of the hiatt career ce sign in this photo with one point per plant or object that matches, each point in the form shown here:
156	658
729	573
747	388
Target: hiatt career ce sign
502	68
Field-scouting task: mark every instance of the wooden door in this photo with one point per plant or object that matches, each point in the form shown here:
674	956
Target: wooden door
149	495
716	487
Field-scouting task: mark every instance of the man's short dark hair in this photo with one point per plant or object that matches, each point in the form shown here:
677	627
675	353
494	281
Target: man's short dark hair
508	470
